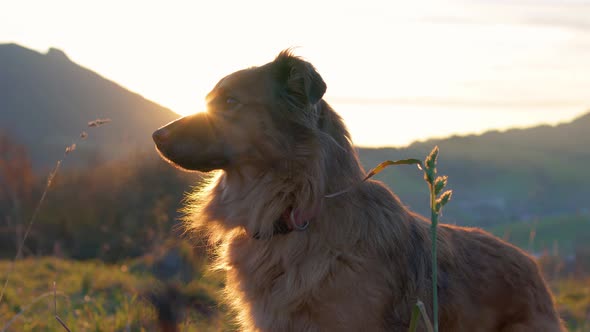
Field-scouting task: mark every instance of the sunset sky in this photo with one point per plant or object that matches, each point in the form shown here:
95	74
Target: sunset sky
397	71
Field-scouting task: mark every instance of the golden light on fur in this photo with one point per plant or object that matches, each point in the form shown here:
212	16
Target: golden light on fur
275	145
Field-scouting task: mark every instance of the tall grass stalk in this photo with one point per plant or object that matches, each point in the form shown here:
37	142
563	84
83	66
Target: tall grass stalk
31	304
52	174
61	322
435	186
21	243
433	225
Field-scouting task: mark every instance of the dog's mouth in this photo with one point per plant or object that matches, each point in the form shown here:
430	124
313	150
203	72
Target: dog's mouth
190	163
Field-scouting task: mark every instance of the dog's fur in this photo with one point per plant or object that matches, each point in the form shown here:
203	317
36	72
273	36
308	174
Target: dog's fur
365	259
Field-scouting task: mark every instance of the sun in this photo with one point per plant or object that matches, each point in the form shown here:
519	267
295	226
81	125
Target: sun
190	108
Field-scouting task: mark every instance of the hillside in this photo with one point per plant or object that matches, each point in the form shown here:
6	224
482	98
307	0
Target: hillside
46	100
501	176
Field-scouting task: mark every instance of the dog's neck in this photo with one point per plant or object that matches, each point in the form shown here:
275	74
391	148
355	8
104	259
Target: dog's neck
255	198
266	203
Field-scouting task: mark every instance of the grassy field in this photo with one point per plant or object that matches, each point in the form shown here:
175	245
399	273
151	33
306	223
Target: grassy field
92	296
573	301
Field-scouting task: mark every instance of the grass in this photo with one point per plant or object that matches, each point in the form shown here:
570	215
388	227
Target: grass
573	302
51	294
92	296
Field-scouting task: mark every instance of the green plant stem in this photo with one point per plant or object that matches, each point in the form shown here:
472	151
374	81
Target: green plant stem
419	309
434	219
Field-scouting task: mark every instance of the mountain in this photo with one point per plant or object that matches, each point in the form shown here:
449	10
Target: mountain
497	177
46	101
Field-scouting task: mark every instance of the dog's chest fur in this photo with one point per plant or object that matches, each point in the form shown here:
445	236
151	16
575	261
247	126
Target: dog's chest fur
291	284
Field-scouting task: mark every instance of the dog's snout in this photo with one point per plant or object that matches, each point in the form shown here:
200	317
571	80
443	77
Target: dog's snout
161	135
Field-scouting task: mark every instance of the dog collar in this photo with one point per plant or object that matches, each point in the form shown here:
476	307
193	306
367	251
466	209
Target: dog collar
290	220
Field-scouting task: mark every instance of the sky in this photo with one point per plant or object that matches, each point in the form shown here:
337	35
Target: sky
397	71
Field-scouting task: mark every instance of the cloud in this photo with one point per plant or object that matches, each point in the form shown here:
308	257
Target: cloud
451	102
560	22
566	14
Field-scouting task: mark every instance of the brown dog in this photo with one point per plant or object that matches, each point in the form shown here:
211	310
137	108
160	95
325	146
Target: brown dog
299	261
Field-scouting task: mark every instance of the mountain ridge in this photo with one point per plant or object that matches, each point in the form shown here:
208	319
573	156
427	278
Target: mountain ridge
511	175
46	100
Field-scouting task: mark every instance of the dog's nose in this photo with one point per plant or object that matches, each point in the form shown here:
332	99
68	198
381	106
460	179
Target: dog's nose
161	135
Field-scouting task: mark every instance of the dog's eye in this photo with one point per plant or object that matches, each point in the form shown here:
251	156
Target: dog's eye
226	104
231	101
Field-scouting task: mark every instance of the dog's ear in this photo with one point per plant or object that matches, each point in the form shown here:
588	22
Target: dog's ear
298	79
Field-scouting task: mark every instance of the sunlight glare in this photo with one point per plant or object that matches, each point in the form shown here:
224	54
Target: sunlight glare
202	107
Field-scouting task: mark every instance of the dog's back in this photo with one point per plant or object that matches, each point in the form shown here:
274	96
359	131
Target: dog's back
484	284
497	286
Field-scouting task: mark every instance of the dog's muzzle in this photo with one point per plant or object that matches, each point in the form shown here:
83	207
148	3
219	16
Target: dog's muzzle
192	144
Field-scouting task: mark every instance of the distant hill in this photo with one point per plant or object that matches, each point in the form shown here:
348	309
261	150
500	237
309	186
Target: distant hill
501	176
46	101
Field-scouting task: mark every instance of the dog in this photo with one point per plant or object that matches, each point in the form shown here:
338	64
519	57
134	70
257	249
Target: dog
297	260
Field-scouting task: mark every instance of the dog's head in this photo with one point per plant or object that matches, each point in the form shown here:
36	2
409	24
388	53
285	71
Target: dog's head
255	117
